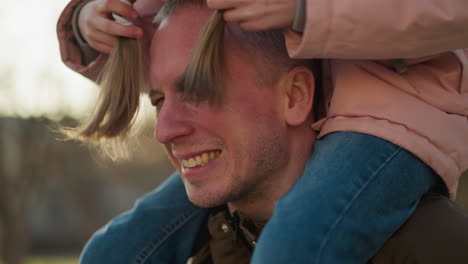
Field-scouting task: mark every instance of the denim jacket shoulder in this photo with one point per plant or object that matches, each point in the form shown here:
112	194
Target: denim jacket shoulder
160	228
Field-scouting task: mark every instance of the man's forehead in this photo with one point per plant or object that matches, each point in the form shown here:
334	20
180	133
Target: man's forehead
188	14
181	29
173	42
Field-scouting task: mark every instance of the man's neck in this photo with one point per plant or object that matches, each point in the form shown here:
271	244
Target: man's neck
258	211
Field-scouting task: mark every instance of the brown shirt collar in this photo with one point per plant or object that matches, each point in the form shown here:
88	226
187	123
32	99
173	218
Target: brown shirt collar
232	238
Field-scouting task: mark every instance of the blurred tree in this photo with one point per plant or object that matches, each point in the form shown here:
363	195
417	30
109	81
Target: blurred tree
32	158
6	89
21	161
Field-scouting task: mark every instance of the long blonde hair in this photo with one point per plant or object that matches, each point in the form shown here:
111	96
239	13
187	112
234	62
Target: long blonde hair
120	82
123	76
204	74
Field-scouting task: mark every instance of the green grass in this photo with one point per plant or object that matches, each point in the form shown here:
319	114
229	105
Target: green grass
49	260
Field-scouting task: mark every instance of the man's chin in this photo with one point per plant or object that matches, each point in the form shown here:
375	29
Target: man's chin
205	200
205	196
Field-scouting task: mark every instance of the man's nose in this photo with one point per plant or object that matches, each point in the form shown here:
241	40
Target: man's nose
173	122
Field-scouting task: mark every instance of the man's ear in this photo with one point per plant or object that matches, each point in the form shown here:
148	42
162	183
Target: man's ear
300	87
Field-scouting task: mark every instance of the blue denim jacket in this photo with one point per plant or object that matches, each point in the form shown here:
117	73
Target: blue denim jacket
163	225
161	228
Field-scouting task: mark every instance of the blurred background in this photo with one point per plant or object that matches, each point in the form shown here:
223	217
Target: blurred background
54	194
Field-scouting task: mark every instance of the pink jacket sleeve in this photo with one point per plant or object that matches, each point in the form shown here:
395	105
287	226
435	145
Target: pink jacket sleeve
72	53
380	29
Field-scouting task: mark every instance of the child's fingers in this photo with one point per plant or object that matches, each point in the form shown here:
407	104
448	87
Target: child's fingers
223	4
102	42
101	47
102	37
113	28
239	14
146	8
118	7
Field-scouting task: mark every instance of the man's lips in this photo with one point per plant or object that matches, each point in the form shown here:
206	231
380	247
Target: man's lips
200	159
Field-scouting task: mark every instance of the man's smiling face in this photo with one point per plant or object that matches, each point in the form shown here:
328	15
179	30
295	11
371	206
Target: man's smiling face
223	153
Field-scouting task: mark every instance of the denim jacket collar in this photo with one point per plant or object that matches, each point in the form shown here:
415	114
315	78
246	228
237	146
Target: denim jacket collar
160	228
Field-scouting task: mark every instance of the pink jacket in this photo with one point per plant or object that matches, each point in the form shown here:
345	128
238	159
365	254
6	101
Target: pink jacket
72	49
424	110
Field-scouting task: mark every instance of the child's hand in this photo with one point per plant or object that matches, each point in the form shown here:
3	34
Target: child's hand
98	27
146	10
256	15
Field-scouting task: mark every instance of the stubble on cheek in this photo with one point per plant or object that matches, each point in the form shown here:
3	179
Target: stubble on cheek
254	185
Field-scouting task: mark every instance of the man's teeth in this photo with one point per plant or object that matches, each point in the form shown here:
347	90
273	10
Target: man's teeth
201	159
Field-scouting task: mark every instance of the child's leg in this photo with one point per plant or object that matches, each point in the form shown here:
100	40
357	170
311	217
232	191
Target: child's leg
356	191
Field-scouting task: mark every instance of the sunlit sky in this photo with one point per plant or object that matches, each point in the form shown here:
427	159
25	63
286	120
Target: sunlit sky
33	79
